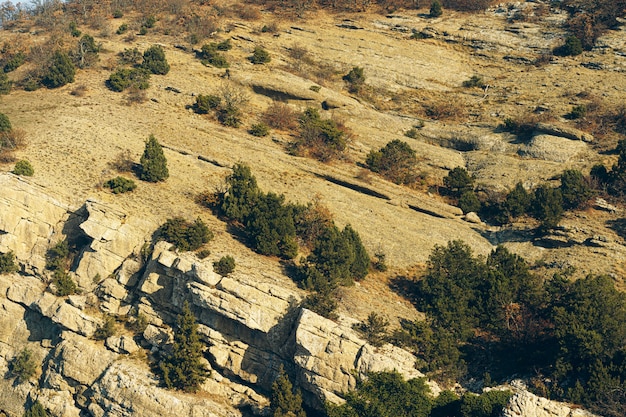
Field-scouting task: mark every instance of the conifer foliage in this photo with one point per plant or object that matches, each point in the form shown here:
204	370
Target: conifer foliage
153	162
183	368
284	401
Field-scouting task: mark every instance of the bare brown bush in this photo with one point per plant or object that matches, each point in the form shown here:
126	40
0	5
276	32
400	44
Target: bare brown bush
10	141
123	162
248	13
136	96
280	116
446	108
79	90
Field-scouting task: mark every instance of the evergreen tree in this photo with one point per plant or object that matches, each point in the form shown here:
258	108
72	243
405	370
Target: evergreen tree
36	410
183	369
61	71
574	189
153	162
435	9
548	206
5	123
517	201
284	400
395	161
241	195
458	181
154	60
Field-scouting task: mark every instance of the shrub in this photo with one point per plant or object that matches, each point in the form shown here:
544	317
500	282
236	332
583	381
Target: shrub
517	201
322	137
153	162
280	116
154	60
547	206
259	129
225	265
74	29
474	81
574	188
395	161
577	112
60	71
120	185
14	62
86	53
23	168
184	368
106	329
458	181
23	366
36	410
225	45
468	202
184	235
435	9
5	123
572	47
229	116
210	56
123	28
5	84
355	79
117	14
206	103
270	226
57	256
7	263
64	283
130	56
284	400
125	78
374	329
260	56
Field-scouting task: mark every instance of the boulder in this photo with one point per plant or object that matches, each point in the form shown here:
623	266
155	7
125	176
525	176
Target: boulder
552	148
563	131
58	403
524	403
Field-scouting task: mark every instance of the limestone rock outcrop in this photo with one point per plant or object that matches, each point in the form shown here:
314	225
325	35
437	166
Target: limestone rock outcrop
526	404
28	219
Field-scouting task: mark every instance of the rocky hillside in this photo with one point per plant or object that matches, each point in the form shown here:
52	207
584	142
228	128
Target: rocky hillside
250	321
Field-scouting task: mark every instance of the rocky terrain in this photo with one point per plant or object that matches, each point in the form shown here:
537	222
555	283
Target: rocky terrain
251	321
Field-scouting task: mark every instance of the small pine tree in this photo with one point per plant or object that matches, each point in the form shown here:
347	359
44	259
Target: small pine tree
5	123
23	366
23	168
64	283
7	263
36	410
435	9
61	71
548	206
183	369
154	60
225	265
260	56
153	162
284	400
574	189
459	181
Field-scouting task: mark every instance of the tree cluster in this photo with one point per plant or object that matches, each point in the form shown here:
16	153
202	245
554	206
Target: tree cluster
613	181
545	203
274	227
138	76
495	311
387	394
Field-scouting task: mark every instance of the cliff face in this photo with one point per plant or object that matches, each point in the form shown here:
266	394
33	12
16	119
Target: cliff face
249	323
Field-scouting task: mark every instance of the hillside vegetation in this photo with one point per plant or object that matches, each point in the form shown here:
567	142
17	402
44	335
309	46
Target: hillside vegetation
449	175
